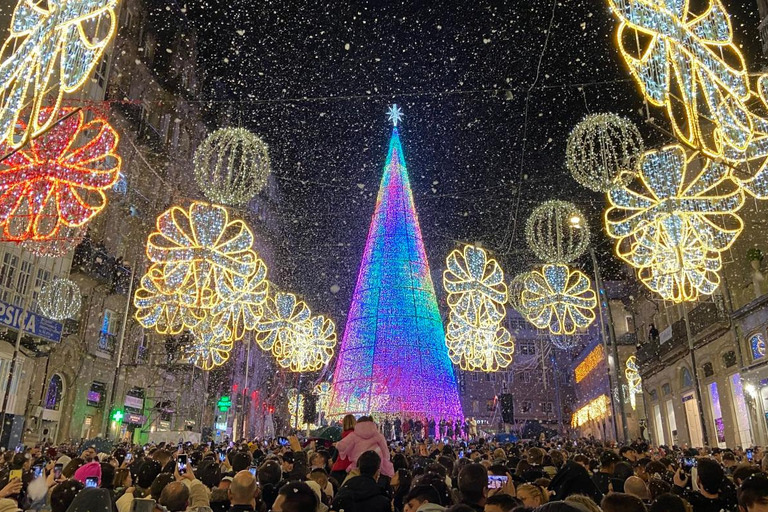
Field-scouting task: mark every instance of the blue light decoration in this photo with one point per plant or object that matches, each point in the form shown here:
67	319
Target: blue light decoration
393	360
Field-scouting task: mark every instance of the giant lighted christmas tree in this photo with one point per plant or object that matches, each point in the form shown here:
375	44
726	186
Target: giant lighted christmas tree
393	359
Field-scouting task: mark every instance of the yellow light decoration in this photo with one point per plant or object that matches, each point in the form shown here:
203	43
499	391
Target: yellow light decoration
51	50
589	363
471	276
211	345
594	410
634	382
165	309
323	393
516	287
556	232
201	247
674	223
296	410
479	344
559	299
242	301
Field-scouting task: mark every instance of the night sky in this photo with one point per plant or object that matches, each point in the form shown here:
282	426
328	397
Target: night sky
487	111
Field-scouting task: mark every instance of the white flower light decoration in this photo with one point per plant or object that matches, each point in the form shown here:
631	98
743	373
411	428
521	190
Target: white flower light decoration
51	50
634	382
559	299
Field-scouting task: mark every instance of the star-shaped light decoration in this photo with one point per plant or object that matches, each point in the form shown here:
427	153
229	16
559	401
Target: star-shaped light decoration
395	114
51	50
559	299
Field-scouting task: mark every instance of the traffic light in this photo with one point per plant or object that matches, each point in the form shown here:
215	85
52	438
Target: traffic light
224	403
117	415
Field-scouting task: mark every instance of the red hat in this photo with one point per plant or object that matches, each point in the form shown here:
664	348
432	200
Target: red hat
87	471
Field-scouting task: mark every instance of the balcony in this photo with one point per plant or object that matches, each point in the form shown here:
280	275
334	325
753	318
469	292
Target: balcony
648	354
107	343
93	260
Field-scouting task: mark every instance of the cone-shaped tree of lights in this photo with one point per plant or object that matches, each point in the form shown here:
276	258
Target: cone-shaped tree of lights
393	359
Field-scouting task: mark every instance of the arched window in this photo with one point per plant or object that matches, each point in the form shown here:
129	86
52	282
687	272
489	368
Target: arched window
757	344
55	389
687	378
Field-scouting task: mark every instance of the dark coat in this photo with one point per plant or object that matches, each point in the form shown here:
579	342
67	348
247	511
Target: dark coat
361	494
573	478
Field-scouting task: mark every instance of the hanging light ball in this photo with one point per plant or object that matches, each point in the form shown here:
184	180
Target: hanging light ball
231	166
516	288
59	299
66	240
603	150
564	341
557	232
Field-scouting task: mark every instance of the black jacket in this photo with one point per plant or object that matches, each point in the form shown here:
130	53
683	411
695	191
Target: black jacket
573	478
602	481
361	494
701	504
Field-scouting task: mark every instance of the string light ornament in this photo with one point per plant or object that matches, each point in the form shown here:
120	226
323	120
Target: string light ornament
634	382
559	299
565	341
60	299
603	150
211	344
51	50
516	287
673	225
595	410
296	408
471	279
66	240
557	232
592	361
242	301
479	343
231	166
166	309
323	393
686	62
58	180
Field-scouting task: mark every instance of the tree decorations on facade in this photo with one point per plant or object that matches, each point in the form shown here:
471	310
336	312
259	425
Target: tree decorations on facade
51	51
688	64
231	166
56	184
477	296
565	341
674	223
589	363
60	299
556	232
603	150
559	299
634	382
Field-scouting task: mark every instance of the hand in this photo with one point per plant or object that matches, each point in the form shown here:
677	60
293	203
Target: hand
13	487
507	488
295	444
680	479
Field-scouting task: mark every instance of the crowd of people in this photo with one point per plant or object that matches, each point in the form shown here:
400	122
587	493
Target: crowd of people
364	472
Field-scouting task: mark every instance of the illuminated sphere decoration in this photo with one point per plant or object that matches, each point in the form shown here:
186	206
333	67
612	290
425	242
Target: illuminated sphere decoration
516	288
602	151
557	232
59	299
231	166
52	49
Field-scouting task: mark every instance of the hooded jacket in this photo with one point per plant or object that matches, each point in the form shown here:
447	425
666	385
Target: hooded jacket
92	500
361	494
366	437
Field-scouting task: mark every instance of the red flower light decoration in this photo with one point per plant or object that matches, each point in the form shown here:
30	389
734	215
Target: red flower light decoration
58	179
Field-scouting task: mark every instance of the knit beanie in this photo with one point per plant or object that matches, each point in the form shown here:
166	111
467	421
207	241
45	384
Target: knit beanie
89	470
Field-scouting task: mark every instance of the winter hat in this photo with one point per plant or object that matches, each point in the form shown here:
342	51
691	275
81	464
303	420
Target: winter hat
89	470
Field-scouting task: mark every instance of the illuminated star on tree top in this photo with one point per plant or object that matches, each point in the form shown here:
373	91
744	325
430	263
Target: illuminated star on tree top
395	114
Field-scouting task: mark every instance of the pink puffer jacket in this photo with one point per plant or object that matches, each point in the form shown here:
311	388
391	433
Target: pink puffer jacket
366	437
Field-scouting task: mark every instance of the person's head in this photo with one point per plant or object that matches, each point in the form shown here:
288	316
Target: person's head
657	487
107	475
269	473
295	497
710	475
369	464
210	475
122	478
242	491
72	466
729	459
584	501
148	471
473	483
558	458
628	453
319	460
348	423
531	495
240	461
159	484
535	455
419	495
90	470
635	486
582	460
608	461
63	494
163	457
668	502
287	462
622	502
753	494
175	497
743	472
501	503
320	476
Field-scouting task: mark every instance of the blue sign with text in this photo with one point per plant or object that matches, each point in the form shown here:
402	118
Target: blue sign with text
36	325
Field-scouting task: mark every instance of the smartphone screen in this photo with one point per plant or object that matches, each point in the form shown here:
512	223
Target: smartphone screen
749	454
283	441
461	454
496	482
253	470
143	505
128	457
181	462
91	481
38	471
57	469
222	456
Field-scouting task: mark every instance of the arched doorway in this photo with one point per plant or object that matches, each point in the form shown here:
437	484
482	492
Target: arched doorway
52	408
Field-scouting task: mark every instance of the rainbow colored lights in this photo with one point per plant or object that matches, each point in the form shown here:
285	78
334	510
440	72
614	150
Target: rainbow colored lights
393	359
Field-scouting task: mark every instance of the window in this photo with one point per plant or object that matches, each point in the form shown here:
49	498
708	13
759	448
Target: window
757	345
110	325
525	377
43	278
527	348
630	321
488	377
474	376
101	71
8	271
525	406
708	369
729	359
165	125
686	378
53	396
549	407
666	389
23	281
510	377
96	394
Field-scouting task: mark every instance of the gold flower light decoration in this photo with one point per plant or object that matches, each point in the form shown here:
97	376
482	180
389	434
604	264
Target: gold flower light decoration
242	301
51	50
211	345
479	343
559	299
